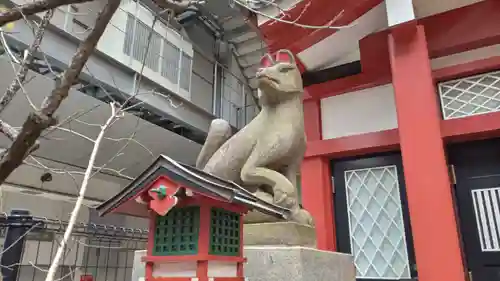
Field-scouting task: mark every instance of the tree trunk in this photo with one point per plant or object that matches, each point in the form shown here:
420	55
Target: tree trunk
36	7
27	61
37	122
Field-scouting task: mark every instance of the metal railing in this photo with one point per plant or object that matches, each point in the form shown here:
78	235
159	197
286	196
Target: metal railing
96	252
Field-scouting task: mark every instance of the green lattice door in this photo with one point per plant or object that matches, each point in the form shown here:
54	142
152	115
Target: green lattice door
177	232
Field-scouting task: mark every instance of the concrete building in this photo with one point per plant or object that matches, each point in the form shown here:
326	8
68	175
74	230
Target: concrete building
401	111
191	75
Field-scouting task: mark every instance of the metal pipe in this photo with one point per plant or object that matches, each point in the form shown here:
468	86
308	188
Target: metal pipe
214	91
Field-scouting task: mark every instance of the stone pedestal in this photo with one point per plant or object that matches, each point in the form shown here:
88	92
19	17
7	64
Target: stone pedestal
296	263
285	251
279	233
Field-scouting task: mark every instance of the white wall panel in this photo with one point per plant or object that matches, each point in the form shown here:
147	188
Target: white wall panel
343	45
465	57
425	8
222	269
364	111
399	11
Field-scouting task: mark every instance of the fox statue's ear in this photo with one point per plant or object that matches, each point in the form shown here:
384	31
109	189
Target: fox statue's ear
285	56
266	60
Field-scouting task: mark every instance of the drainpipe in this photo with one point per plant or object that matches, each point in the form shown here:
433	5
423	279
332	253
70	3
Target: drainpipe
218	77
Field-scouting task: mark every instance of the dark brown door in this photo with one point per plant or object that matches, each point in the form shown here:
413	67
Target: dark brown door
477	171
372	217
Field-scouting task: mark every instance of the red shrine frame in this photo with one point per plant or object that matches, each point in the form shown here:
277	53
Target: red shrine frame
382	56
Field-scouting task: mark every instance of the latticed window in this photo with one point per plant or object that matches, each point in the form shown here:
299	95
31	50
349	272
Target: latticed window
469	96
177	232
185	78
224	233
376	223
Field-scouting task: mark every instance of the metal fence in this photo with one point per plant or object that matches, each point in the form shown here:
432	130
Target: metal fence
94	252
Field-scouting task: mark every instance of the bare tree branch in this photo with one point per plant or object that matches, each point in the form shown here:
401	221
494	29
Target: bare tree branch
37	122
8	130
81	195
28	59
35	7
19	80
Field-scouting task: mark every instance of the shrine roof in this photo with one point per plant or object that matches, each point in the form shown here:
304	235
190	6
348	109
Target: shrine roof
197	181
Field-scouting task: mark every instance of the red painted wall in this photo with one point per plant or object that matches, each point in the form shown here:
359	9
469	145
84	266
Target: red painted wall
447	33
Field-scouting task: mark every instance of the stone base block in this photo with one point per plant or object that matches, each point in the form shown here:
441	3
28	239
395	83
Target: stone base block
279	233
285	263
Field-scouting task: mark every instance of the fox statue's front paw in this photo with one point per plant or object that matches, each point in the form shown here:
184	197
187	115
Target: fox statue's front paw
279	197
302	216
284	200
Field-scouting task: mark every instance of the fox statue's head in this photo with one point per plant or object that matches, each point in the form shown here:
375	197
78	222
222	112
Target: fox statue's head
279	78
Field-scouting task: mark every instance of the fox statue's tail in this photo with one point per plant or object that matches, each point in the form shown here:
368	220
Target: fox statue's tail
218	133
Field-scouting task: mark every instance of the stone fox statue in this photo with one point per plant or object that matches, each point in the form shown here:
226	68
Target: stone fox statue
265	155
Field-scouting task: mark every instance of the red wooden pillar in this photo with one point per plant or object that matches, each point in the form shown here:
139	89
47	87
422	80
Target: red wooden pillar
203	244
316	181
150	245
433	221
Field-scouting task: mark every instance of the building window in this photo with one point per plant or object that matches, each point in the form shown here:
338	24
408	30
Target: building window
486	202
470	96
169	60
136	43
232	100
377	233
185	79
129	34
170	66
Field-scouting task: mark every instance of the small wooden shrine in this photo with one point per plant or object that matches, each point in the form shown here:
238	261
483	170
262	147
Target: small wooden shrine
196	221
